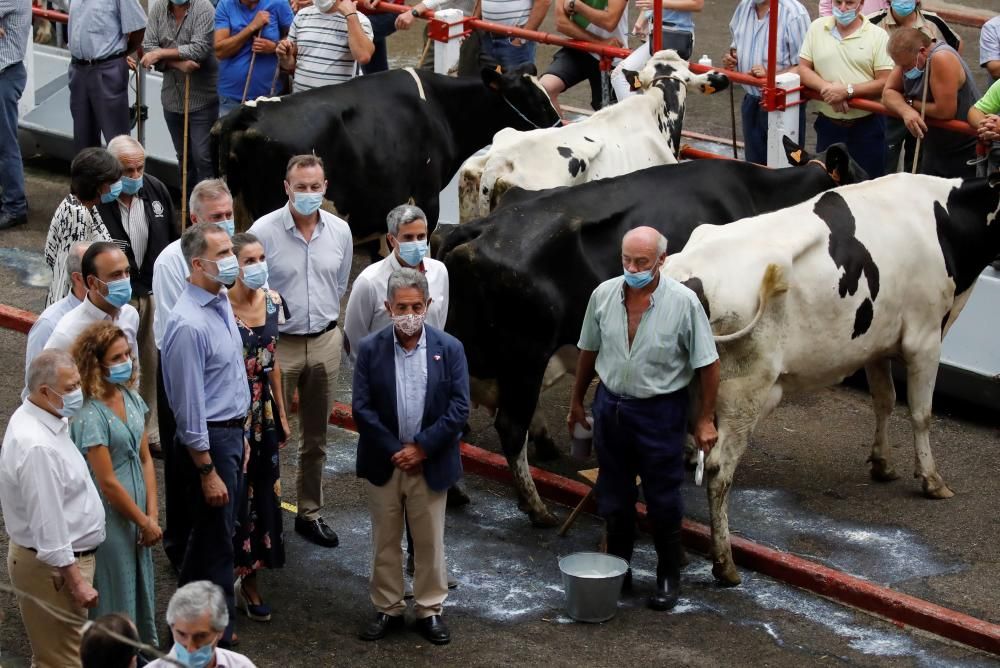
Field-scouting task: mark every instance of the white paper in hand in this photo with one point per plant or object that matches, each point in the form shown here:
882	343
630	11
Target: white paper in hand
699	472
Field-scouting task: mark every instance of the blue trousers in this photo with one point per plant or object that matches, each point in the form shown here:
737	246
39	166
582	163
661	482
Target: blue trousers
645	438
755	129
98	101
383	25
865	140
200	124
499	49
12	200
209	553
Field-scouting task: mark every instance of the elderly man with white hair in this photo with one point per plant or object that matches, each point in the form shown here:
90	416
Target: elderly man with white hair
197	616
141	221
52	512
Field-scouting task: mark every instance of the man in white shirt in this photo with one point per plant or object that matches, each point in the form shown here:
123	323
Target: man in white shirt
327	44
51	510
309	253
106	275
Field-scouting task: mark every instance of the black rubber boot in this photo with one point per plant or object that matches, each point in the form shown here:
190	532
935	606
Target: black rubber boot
668	569
621	541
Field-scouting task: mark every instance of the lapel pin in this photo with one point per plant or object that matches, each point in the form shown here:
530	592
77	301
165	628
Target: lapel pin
437	358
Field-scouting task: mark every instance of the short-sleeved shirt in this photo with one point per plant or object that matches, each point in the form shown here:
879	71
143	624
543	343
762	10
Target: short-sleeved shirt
233	16
100	28
990	103
620	31
673	339
847	60
989	42
929	23
750	33
323	57
97	424
507	12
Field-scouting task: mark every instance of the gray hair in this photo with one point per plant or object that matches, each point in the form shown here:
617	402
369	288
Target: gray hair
45	368
406	278
194	243
403	215
195	599
661	241
125	145
74	259
208	190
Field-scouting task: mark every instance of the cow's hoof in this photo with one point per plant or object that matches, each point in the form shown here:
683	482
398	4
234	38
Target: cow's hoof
543	520
726	574
934	488
546	450
882	470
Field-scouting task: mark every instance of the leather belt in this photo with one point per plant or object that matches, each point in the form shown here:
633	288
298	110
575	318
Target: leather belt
234	423
77	555
87	62
312	335
846	122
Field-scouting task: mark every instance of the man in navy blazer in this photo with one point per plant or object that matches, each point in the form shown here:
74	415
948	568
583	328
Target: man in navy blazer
411	402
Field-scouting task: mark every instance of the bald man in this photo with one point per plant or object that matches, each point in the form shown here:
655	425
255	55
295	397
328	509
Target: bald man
645	335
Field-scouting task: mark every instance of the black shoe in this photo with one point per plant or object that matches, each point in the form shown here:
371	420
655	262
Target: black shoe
668	567
7	221
434	630
316	531
668	590
627	582
457	497
381	625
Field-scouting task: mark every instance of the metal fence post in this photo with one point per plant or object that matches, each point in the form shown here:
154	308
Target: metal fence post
783	122
27	102
446	53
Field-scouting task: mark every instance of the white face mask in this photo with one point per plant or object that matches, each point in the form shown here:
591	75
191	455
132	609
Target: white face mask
408	324
324	5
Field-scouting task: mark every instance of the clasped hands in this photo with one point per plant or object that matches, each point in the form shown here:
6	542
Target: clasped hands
410	458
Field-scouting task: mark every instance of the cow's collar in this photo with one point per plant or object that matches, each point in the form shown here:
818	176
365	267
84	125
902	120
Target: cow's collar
420	85
832	175
667	76
526	119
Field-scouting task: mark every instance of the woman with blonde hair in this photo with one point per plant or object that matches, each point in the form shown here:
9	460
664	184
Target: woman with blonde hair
109	430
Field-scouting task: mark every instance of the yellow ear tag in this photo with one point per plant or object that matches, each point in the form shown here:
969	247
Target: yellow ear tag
796	155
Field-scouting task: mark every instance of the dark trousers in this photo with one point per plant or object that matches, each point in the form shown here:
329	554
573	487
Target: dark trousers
865	139
754	119
178	476
898	142
200	124
98	100
645	438
383	25
209	553
12	200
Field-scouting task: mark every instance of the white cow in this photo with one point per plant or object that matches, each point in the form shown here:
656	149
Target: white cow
639	132
803	297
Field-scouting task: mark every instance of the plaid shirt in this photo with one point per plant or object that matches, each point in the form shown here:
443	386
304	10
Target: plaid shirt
15	19
195	40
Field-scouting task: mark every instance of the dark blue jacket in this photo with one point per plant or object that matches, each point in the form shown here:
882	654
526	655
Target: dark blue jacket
446	408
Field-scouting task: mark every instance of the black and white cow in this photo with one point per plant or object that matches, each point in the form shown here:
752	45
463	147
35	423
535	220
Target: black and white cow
522	276
639	132
803	297
384	139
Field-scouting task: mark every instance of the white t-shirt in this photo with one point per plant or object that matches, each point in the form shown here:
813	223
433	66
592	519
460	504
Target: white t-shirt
324	57
507	12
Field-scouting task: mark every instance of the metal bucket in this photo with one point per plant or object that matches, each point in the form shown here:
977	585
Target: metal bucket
592	582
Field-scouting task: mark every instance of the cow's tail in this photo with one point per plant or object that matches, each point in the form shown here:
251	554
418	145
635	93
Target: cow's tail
773	283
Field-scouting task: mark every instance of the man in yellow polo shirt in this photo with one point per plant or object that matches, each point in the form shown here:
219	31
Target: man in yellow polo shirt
844	57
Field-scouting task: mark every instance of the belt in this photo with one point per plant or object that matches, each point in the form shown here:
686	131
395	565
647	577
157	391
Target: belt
234	423
77	555
656	397
312	335
96	61
847	122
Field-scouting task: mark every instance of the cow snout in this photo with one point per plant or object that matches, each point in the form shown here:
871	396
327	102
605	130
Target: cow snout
716	82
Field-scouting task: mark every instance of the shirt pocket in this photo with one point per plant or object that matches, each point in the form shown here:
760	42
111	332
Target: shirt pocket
666	350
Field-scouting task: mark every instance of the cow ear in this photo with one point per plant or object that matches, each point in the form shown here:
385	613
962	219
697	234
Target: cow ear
632	78
838	165
491	77
796	154
526	69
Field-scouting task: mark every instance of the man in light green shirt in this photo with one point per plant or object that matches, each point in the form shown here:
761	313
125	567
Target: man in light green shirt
985	117
645	335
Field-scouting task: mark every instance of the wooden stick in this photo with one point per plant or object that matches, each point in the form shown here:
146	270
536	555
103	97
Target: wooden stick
576	513
253	57
732	118
184	152
923	113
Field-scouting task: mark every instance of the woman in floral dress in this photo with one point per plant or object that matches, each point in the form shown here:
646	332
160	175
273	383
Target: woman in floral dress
258	541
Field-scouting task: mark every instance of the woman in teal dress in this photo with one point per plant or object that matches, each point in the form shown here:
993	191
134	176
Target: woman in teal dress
109	430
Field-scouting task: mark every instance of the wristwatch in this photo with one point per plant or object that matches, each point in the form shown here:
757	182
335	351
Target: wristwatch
415	12
205	469
850	91
572	7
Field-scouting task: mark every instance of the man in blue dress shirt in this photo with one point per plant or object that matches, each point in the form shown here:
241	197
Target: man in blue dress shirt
204	375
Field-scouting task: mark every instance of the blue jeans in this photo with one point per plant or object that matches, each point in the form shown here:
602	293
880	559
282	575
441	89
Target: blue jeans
865	139
755	129
209	552
12	200
199	141
499	49
227	104
383	25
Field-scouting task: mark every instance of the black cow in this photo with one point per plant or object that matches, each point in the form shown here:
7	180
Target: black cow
521	277
385	139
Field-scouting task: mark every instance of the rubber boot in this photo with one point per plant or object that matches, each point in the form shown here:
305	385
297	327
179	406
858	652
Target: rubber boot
668	569
621	541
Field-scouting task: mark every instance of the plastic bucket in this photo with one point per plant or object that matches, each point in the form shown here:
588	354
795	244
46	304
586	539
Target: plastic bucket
592	582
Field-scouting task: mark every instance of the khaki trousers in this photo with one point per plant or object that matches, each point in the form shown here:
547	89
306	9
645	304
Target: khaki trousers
54	643
425	511
310	365
148	361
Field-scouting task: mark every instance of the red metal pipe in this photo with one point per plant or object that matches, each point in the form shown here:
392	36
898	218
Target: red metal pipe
697	154
49	14
772	52
657	26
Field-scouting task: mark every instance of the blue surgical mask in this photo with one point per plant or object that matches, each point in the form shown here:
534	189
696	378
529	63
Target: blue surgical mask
412	252
307	203
255	275
638	279
903	7
229	269
119	292
131	186
179	2
119	373
112	195
913	73
199	658
72	403
845	18
228	225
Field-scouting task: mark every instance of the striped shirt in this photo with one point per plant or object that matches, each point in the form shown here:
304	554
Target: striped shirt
100	28
136	227
750	36
194	39
323	56
507	12
989	42
15	19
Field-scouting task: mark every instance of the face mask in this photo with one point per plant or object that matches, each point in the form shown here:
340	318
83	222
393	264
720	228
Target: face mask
845	18
179	2
255	275
112	195
228	225
199	658
119	373
72	403
903	7
638	279
412	252
913	73
307	203
323	5
131	186
408	324
119	292
229	269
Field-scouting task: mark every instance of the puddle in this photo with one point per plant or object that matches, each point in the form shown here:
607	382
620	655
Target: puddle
29	265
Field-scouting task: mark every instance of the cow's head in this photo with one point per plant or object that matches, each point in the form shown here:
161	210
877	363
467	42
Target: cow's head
837	162
528	105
